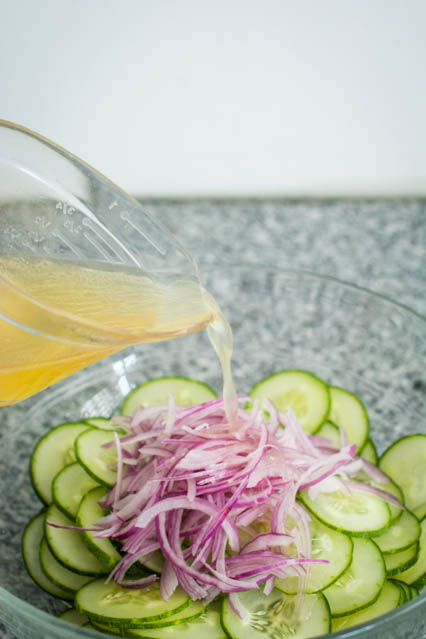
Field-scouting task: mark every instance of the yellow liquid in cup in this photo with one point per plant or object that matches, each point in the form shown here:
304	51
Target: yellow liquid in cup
76	314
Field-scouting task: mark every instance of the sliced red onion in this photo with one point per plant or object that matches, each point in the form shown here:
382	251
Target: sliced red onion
266	540
191	484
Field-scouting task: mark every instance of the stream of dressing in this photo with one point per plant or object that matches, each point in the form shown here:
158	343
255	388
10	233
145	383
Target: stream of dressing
220	334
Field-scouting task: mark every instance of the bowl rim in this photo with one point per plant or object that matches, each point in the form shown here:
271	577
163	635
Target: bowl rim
68	631
266	266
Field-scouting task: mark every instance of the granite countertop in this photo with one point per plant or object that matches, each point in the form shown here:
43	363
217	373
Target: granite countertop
378	244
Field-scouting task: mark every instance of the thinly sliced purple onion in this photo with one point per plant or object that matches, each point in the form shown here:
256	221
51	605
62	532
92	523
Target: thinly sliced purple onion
195	484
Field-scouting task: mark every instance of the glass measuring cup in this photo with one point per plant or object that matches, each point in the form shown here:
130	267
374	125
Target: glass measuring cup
84	269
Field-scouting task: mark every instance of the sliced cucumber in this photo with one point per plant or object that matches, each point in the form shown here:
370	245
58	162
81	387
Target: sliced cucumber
348	412
97	461
110	605
401	561
185	391
401	535
194	610
100	422
69	486
414	591
184	618
331	432
31	541
369	452
68	546
206	626
405	589
52	452
274	616
306	393
327	544
362	582
420	511
358	514
74	616
405	462
387	600
416	574
89	513
57	573
393	489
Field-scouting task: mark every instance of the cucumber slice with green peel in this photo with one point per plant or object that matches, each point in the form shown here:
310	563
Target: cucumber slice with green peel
420	511
31	541
111	605
57	573
68	546
185	617
185	391
97	461
306	393
69	486
51	453
369	452
194	610
347	411
401	561
362	582
74	616
389	487
405	462
330	431
206	626
358	514
275	616
100	422
421	582
416	574
401	535
413	591
402	594
405	588
104	423
89	513
387	600
327	544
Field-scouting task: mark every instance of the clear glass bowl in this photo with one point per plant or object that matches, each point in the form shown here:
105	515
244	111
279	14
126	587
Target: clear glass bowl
281	319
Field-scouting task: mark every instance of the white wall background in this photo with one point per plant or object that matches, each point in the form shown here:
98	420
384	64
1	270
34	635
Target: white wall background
178	97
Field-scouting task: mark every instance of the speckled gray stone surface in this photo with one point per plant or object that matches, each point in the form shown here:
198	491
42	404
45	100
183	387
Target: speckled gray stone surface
379	244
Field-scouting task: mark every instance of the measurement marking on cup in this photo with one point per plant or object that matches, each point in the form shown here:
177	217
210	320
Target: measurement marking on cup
97	246
40	220
38	238
73	226
126	218
65	208
104	240
67	243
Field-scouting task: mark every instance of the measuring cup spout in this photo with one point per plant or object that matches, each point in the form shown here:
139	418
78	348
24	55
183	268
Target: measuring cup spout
84	269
